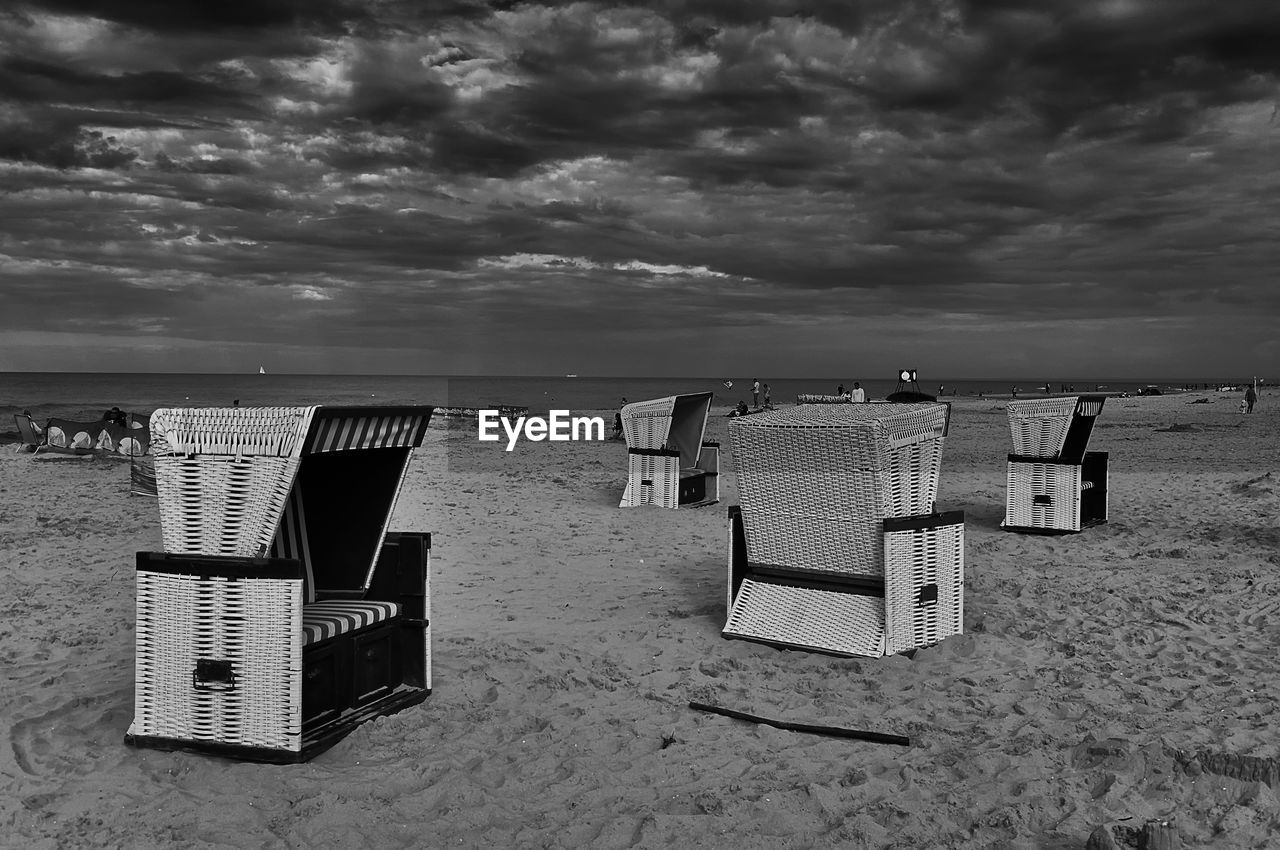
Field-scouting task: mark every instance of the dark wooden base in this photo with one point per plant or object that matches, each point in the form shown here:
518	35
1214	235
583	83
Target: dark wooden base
1029	529
315	740
783	646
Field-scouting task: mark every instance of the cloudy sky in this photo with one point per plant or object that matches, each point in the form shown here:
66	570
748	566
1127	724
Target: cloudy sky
993	188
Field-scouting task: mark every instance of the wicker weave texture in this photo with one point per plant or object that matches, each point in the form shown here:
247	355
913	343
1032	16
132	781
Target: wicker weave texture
218	505
240	431
844	623
646	424
899	421
822	544
254	624
1039	426
1059	482
932	559
823	454
652	480
813	497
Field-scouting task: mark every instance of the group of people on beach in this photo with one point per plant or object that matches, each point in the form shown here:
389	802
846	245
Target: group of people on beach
855	395
760	399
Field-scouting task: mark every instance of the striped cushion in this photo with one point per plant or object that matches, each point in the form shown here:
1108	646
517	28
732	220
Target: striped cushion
323	620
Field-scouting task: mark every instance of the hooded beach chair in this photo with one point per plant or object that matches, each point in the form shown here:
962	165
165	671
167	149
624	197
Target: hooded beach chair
836	545
668	462
1055	486
281	614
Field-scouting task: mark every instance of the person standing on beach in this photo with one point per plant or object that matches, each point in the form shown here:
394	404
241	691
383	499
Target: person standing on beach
617	421
755	392
858	394
767	404
1250	397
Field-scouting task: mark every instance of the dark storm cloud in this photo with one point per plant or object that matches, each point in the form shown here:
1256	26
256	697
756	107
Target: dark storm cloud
201	16
62	147
1087	64
39	82
376	169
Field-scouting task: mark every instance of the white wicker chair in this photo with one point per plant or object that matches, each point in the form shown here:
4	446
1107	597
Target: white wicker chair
669	464
281	614
1055	486
836	546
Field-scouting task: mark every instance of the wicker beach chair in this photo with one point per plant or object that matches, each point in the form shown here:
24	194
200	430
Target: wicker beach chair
836	546
1055	486
668	462
281	614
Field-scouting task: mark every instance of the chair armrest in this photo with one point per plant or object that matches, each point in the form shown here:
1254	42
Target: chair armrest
219	566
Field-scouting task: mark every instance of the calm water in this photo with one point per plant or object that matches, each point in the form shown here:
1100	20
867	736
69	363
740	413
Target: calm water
86	396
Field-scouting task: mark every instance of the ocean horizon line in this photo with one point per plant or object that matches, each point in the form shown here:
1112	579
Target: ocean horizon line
930	380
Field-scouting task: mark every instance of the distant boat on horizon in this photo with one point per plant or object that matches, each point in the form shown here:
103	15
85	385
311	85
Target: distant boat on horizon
571	376
261	371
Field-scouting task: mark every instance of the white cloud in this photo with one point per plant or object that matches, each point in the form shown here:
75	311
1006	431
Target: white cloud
306	293
555	261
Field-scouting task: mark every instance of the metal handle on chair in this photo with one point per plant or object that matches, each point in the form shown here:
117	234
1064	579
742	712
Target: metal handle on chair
1042	500
211	675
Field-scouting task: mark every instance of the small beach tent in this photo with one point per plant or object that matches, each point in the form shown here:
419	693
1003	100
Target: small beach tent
281	613
67	436
1055	486
669	464
836	545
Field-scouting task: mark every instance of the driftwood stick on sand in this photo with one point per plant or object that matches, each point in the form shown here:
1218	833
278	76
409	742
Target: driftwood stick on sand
834	731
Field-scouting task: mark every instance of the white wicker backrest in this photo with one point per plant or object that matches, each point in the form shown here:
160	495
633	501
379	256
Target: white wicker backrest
806	454
1039	426
223	475
239	431
646	424
814	481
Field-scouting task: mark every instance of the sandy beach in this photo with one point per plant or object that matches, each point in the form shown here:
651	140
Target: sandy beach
1112	676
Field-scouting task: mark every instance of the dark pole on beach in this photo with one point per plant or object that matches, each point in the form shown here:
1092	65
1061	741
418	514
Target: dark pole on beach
834	731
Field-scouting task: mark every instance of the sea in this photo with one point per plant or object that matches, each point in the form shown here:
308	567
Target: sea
84	397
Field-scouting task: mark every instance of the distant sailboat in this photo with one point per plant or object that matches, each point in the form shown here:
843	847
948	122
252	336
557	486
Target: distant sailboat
571	376
261	371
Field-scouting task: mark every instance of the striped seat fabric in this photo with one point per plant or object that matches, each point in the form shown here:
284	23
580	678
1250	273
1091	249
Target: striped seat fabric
323	620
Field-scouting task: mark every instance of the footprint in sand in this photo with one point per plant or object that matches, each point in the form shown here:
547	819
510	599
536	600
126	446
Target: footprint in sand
69	738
